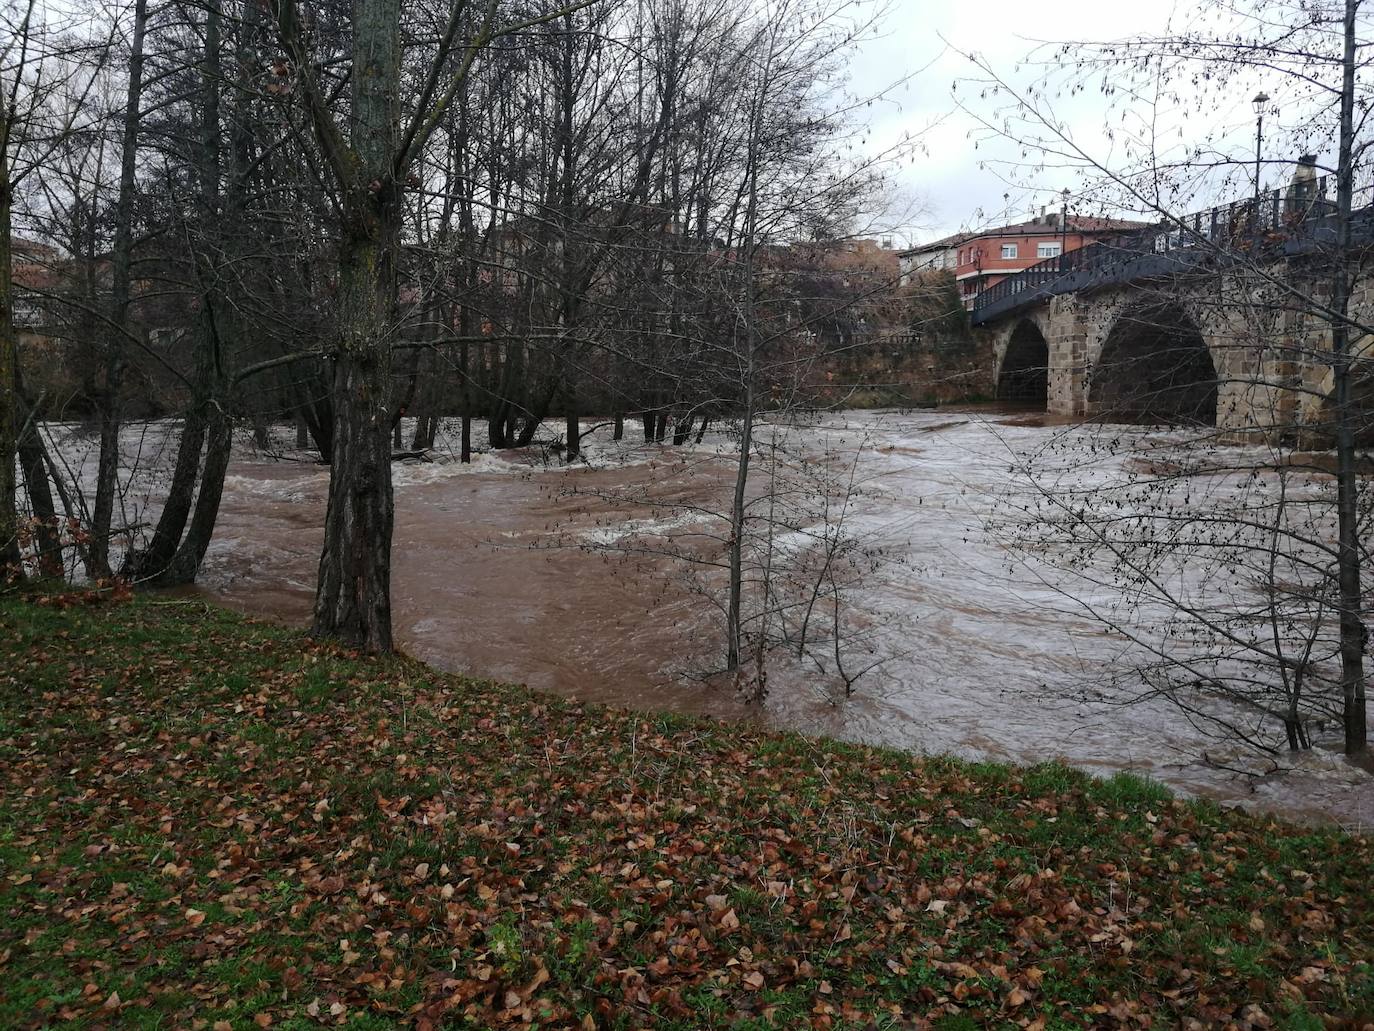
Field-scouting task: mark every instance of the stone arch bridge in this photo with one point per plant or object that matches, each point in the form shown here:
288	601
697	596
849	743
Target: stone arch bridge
1216	321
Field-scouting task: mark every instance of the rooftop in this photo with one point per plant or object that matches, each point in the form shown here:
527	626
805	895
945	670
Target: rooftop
1045	224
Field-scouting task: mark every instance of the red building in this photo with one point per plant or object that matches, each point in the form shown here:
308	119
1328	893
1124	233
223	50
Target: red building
983	259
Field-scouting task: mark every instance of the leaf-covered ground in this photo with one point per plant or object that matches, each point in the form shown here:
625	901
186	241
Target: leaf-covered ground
209	823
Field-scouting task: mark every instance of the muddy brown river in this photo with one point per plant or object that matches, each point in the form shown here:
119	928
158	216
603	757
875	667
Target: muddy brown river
519	569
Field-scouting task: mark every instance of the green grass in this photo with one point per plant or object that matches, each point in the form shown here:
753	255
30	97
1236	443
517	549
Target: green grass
213	822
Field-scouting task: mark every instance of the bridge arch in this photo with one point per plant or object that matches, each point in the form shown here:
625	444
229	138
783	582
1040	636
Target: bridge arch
1023	377
1154	365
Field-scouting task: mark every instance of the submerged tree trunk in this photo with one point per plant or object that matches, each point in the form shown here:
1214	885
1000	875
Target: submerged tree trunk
47	536
180	494
186	563
33	462
572	424
682	430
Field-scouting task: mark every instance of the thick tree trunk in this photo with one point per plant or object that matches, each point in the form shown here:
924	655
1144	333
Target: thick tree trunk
302	434
353	597
619	432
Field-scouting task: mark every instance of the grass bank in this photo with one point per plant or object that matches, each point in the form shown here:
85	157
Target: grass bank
212	823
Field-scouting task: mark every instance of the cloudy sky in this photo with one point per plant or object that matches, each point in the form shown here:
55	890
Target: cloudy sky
967	178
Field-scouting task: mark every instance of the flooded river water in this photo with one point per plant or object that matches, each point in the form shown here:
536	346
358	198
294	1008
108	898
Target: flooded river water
500	570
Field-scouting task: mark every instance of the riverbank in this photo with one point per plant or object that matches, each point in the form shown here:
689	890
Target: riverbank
210	822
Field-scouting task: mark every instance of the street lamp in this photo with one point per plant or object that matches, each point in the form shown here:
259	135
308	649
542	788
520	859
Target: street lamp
1261	98
1064	229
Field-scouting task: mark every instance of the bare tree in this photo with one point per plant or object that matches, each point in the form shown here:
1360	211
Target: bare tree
1274	532
42	89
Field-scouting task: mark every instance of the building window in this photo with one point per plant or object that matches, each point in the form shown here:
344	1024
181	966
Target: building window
1047	250
1008	250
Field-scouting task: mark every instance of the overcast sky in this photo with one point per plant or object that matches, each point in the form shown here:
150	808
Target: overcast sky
949	185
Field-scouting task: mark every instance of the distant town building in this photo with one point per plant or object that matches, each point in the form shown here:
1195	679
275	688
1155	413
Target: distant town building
983	259
936	256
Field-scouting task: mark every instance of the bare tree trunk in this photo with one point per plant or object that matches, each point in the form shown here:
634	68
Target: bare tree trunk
107	470
465	449
734	624
1353	632
734	614
10	559
619	431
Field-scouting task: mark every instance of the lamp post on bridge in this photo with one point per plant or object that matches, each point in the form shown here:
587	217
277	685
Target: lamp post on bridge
1261	98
